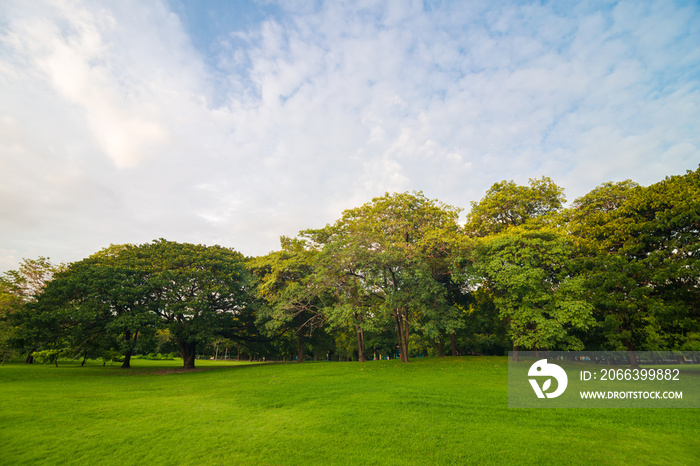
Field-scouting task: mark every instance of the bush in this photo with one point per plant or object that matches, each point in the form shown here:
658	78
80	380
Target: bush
47	356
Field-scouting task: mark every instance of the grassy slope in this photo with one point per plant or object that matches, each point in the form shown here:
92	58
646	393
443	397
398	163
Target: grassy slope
450	410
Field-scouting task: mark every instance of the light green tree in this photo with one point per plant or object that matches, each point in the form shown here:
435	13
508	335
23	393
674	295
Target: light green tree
507	204
293	300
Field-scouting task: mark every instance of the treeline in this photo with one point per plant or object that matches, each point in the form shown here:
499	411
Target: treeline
396	277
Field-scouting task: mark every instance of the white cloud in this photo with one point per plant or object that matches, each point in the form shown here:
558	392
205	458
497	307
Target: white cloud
113	128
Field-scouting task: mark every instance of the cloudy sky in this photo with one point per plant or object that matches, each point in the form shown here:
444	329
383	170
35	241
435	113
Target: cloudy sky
235	122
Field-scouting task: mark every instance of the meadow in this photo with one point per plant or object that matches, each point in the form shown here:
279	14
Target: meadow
431	411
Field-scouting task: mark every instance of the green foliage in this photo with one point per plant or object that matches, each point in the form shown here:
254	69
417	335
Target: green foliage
293	301
617	270
111	299
485	331
19	289
642	268
384	261
534	287
507	204
197	291
10	303
590	215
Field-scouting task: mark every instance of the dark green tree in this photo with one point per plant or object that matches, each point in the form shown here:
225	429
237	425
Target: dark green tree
198	292
101	304
643	274
18	290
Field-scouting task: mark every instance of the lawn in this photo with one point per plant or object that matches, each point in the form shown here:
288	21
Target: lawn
431	411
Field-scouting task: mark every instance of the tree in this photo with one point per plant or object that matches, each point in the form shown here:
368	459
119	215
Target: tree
529	272
293	299
380	256
620	305
117	295
643	272
19	288
486	332
94	306
662	223
109	302
351	304
507	204
10	303
589	218
32	276
198	291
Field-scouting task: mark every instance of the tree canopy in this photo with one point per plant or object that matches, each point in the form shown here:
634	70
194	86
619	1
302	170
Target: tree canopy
507	204
123	292
395	277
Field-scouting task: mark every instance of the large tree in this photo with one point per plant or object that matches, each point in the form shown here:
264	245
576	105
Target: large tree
382	256
113	297
535	288
102	303
293	301
198	291
643	272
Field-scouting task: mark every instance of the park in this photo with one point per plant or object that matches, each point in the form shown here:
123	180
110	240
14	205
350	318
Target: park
376	232
174	353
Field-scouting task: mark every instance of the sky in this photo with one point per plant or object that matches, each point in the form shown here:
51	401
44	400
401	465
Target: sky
236	122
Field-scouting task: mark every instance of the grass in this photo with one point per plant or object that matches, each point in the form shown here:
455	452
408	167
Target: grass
431	411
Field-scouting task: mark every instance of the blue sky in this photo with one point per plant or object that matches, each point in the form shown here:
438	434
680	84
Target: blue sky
233	123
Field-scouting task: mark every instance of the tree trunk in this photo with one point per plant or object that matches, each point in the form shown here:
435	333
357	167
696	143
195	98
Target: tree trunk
402	331
360	341
82	364
634	362
132	344
516	357
300	352
30	358
405	337
453	344
441	350
127	360
188	354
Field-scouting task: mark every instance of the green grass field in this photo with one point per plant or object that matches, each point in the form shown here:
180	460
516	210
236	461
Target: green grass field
431	411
